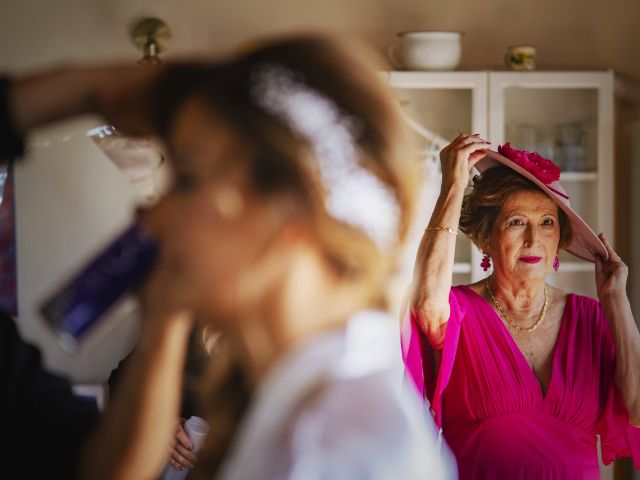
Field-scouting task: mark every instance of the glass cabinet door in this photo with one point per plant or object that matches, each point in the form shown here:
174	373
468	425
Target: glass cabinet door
568	118
438	105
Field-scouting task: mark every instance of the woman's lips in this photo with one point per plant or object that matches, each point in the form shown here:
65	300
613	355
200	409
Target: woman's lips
530	259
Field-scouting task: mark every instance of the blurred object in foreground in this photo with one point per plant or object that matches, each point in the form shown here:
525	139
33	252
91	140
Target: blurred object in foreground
8	267
197	430
138	158
76	308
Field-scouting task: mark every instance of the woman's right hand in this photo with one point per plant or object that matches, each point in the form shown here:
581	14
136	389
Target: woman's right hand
457	158
167	292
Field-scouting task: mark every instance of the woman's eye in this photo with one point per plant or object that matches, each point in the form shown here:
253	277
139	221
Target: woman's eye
548	221
516	222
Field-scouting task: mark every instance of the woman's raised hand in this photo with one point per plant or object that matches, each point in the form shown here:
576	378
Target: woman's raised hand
458	157
611	274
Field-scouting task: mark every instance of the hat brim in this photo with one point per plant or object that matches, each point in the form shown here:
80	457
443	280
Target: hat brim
585	244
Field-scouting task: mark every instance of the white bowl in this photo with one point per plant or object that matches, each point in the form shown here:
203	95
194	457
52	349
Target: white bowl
428	50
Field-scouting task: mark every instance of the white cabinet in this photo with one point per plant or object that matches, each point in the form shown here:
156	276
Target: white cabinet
566	116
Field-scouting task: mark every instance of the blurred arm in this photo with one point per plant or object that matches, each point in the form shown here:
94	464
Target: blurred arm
134	436
119	92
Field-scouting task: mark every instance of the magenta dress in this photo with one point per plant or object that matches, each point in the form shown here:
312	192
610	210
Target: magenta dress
490	405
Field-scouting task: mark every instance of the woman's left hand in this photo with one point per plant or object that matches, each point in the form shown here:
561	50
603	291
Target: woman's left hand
181	455
611	274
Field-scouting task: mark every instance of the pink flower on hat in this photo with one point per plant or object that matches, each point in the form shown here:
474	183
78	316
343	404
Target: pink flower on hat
544	170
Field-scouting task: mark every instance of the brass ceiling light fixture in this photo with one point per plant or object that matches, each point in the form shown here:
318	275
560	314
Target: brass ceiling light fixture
151	35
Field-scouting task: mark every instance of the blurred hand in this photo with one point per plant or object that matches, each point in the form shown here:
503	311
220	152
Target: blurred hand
457	158
166	293
123	94
182	455
611	274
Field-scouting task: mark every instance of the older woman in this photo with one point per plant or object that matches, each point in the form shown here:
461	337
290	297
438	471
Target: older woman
521	376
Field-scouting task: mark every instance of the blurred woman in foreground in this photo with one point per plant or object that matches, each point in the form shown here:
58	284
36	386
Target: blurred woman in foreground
290	199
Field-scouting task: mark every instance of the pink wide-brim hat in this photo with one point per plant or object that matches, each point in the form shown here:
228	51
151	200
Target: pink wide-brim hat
585	243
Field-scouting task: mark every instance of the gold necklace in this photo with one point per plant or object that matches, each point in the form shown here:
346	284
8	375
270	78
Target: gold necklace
508	320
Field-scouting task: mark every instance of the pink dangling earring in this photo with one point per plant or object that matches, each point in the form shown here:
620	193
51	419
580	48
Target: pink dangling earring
486	262
556	263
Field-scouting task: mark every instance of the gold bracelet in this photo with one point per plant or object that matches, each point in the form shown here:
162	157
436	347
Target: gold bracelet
441	229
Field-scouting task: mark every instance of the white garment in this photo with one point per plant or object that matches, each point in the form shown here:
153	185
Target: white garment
336	407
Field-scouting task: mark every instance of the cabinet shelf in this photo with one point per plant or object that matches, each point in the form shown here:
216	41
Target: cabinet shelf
565	267
461	267
578	176
573	267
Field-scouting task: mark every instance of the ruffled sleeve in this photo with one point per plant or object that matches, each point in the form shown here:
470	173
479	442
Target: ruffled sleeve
419	358
618	438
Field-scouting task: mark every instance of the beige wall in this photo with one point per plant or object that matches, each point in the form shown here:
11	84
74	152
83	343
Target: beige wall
568	34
